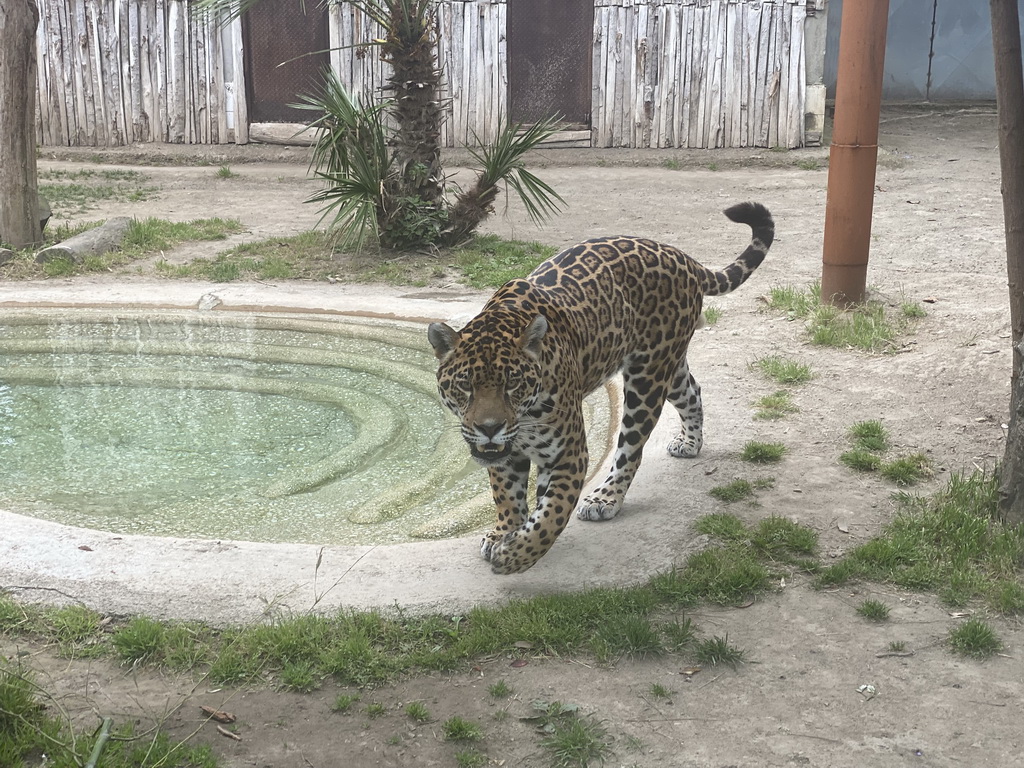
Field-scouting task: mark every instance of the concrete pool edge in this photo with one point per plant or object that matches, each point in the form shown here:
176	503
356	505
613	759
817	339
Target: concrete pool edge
225	582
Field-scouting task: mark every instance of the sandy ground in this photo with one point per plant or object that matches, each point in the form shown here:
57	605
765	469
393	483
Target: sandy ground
937	235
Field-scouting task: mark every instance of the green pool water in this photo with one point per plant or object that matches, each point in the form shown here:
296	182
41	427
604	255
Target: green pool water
293	428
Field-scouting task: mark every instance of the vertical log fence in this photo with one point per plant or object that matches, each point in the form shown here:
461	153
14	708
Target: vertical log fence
665	73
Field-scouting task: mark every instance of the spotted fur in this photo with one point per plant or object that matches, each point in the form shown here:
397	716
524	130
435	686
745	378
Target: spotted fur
517	374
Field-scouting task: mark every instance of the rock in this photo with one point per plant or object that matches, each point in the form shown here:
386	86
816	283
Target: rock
6	255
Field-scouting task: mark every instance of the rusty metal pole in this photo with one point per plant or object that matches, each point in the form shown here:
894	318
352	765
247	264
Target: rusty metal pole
854	151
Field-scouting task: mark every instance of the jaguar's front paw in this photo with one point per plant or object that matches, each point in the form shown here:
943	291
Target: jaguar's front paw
596	508
684	447
490	540
511	555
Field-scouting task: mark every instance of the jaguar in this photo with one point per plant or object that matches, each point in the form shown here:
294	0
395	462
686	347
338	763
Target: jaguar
516	375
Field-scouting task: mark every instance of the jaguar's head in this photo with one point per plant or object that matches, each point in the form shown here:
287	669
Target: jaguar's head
489	376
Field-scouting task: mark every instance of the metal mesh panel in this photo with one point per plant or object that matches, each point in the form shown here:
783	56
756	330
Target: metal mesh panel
279	31
549	51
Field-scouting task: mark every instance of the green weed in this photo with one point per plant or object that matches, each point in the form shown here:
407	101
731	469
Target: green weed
762	453
873	610
860	460
712	315
717	650
417	710
489	261
459	729
976	639
870	436
344	703
784	371
949	543
737	490
500	690
775	406
907	470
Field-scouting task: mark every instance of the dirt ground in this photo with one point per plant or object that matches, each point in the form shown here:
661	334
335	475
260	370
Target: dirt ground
938	239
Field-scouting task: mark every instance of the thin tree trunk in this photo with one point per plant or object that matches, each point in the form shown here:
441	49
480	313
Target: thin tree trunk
19	215
1010	100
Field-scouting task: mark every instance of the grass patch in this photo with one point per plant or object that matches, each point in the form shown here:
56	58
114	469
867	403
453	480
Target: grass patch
907	470
976	639
784	371
775	406
459	729
225	172
912	310
73	192
33	732
488	261
417	710
500	690
344	703
571	741
872	326
793	301
870	436
949	543
739	489
470	758
712	315
717	650
762	453
143	238
861	460
372	648
873	610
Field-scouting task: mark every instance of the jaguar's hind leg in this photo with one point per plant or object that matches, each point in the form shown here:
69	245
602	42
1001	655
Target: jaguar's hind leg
643	398
685	396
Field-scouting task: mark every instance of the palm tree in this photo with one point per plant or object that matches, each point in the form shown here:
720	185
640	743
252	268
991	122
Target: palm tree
385	176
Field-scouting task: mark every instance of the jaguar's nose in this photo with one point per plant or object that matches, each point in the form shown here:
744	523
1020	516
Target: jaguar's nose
490	429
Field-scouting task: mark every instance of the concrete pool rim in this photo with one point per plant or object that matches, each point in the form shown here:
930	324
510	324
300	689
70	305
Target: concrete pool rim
226	582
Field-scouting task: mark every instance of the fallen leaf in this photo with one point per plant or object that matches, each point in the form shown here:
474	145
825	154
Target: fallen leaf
843	527
85	548
689	671
216	714
929	299
519	663
960	614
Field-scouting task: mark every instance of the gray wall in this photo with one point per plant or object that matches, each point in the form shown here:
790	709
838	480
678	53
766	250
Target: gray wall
962	65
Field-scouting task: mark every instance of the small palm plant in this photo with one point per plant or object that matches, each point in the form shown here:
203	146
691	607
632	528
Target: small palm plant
380	160
367	189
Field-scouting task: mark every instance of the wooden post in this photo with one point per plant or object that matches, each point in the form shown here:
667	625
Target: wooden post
1010	105
19	194
854	151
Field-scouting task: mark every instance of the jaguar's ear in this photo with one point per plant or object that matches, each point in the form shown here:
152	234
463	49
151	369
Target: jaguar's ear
533	335
442	339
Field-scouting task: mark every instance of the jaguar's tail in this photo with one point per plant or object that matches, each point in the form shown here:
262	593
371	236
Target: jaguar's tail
763	232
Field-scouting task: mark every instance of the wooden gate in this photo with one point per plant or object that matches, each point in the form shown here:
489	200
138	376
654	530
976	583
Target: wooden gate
549	60
275	34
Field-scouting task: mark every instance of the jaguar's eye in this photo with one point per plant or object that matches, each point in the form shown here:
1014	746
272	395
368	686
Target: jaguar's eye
463	383
514	382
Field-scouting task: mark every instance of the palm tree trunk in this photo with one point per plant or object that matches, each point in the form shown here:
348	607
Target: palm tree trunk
411	49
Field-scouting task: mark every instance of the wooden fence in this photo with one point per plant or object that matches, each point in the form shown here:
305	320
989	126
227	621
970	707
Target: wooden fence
121	71
666	73
698	73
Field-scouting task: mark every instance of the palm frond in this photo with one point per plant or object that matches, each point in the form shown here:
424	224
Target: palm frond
503	162
351	155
